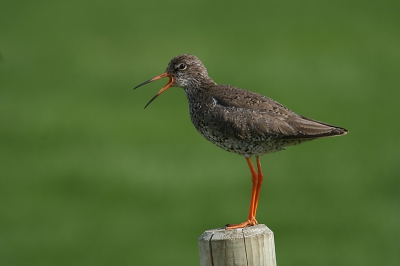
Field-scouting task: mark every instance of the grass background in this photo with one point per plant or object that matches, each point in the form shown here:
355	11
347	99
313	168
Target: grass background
90	178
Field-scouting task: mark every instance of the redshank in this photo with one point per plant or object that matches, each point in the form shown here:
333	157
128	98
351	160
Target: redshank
240	121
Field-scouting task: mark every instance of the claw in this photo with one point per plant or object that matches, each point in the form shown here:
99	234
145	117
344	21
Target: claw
251	222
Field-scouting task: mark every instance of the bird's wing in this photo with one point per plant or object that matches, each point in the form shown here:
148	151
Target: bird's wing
234	97
245	114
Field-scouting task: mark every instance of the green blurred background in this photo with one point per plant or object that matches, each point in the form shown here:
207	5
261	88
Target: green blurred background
88	177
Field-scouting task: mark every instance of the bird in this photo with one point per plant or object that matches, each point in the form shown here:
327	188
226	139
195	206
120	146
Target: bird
239	121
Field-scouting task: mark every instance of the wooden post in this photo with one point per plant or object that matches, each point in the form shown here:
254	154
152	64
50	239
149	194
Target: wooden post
252	245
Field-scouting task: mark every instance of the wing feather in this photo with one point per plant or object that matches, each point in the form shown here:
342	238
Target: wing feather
246	115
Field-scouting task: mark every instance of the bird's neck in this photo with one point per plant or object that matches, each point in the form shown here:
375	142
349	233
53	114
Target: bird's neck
198	87
202	84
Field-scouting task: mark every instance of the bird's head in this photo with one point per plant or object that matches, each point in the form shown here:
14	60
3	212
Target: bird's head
183	71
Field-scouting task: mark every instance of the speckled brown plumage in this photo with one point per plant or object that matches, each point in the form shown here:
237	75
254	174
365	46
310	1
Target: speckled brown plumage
240	121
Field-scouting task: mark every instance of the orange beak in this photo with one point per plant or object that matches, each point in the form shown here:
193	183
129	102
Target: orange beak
166	87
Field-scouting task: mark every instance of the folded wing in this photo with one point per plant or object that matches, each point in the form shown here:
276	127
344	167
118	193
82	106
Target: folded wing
247	114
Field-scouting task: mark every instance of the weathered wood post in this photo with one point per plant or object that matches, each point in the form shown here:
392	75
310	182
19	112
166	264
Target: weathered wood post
253	245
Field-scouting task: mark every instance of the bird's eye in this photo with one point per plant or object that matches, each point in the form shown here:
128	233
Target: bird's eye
182	66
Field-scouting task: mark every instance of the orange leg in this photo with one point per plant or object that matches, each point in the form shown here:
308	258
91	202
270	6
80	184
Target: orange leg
255	194
260	181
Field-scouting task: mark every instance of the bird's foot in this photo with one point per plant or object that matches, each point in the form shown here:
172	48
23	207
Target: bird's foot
251	222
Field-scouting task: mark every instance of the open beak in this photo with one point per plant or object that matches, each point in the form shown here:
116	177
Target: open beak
171	80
